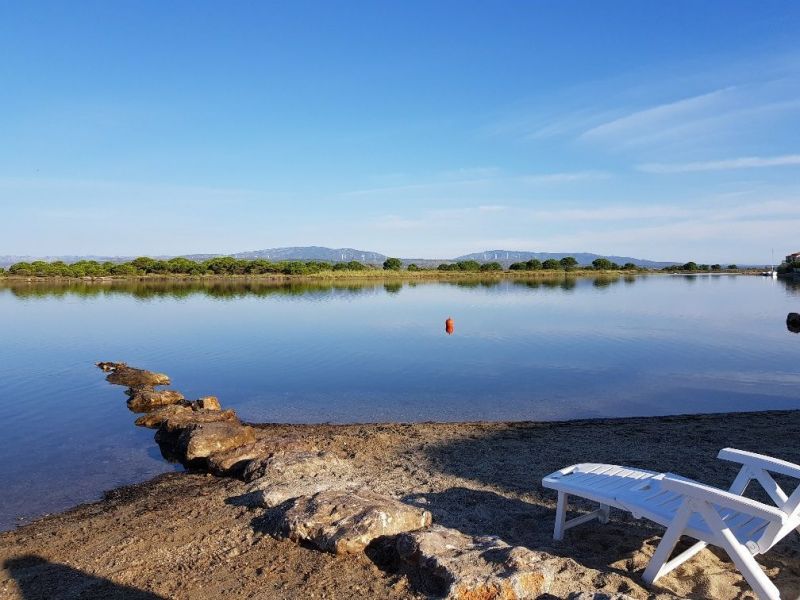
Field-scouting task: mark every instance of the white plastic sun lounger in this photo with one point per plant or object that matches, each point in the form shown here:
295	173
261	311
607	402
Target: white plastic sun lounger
740	526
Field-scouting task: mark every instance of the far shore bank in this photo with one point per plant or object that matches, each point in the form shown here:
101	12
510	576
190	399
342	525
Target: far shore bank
194	535
376	275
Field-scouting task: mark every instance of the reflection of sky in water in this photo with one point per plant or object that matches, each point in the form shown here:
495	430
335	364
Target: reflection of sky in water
303	353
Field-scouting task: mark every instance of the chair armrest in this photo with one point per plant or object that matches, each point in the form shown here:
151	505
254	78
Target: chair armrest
751	459
718	497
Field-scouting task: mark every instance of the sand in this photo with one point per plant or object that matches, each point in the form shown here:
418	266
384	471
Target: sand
184	535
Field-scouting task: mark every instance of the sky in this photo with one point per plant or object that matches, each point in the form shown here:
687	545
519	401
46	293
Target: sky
667	131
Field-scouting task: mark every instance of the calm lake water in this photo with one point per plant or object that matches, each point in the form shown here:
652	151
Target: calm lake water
561	349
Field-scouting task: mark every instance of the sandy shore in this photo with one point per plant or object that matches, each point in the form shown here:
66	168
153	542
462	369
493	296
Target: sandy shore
185	535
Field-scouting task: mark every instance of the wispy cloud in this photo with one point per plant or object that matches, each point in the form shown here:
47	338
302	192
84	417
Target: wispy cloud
657	116
485	179
747	162
565	177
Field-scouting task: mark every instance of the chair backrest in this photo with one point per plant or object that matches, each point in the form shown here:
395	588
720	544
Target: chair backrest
757	467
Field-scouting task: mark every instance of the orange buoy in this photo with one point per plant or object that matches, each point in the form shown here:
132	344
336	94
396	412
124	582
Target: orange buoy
449	326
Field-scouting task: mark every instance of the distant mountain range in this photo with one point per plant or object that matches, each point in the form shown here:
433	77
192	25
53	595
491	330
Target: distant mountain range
504	257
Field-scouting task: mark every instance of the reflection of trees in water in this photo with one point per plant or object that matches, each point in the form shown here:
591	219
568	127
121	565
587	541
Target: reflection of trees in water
221	290
792	285
568	283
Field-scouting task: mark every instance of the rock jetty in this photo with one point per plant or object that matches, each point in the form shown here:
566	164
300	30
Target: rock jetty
316	497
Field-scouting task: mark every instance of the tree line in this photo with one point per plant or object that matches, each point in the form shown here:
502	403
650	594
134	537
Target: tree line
228	265
223	265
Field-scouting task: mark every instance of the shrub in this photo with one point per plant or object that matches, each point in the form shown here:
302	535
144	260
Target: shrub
491	266
392	264
551	264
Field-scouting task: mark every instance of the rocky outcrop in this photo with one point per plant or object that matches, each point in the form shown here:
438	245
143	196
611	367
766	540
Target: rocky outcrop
144	399
476	568
208	403
346	522
249	461
793	322
122	374
293	474
156	418
178	417
201	440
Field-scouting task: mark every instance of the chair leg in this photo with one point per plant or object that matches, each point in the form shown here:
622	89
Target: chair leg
741	556
605	513
561	516
658	564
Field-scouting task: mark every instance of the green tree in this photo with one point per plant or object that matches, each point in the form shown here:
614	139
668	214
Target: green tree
602	264
469	265
716	267
629	266
491	266
413	267
123	270
689	266
143	264
533	264
732	267
551	264
518	266
568	263
392	264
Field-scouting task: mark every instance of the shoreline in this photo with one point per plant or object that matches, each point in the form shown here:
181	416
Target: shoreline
477	479
368	276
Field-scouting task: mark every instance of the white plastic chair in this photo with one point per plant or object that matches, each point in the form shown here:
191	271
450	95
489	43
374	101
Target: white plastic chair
740	526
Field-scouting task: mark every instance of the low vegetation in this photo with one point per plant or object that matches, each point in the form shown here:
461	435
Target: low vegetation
229	266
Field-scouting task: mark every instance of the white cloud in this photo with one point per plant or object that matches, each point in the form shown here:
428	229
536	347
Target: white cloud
747	162
565	177
657	116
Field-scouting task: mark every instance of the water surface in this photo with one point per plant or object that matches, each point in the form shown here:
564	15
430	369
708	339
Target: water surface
364	352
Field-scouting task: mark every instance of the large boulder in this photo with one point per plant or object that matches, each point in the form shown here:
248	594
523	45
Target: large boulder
248	461
346	522
122	374
143	399
462	567
201	440
159	416
178	417
793	322
207	403
290	475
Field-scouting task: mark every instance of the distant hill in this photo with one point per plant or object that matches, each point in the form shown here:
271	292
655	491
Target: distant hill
506	257
315	253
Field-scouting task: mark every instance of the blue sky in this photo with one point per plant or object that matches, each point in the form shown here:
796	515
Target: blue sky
658	130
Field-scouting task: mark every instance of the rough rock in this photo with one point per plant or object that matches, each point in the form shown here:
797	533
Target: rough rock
476	568
293	474
793	322
177	417
207	403
144	399
122	374
599	596
253	456
187	418
159	416
289	445
346	522
204	439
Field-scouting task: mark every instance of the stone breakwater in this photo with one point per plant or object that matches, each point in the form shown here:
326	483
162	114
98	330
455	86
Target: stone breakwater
318	498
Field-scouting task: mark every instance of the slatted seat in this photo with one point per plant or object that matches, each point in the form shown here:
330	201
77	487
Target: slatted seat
739	525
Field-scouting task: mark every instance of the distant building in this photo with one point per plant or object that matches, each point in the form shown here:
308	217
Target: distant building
790	258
